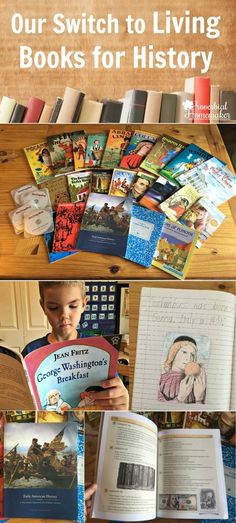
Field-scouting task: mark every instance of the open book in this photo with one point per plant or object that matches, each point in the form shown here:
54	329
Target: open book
143	473
56	377
186	349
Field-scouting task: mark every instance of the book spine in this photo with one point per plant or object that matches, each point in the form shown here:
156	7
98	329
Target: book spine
6	109
214	103
18	113
228	106
91	111
125	108
111	111
184	107
137	107
153	107
78	108
34	110
168	108
55	110
202	93
69	105
46	113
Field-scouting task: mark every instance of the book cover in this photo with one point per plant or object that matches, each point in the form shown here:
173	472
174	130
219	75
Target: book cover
203	217
178	203
39	160
153	107
79	184
190	157
105	224
67	226
48	241
200	88
95	149
111	111
159	191
34	109
117	141
101	179
61	373
79	144
61	152
168	108
140	145
141	183
165	149
175	249
40	468
121	182
211	179
144	232
58	190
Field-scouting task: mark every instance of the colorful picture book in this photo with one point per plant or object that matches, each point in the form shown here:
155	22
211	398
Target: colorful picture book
101	180
105	224
117	141
141	184
190	157
175	249
40	162
203	217
144	483
59	375
140	145
67	226
180	363
121	182
95	148
79	185
58	190
178	203
40	470
61	152
159	191
79	144
165	149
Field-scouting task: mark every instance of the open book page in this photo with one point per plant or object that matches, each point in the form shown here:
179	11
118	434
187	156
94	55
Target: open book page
126	473
233	383
190	475
184	350
14	389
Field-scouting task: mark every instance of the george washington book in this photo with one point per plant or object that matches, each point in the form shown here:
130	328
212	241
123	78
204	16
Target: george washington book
60	375
175	473
41	479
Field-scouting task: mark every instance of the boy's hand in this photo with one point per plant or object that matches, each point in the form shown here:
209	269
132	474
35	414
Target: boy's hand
89	491
114	396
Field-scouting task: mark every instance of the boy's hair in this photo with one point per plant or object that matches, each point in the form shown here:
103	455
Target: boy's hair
64	283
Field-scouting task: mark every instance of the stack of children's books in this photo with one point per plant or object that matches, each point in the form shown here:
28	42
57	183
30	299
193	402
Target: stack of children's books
145	197
200	101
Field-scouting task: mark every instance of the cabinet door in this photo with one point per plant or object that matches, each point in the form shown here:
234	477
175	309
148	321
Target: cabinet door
34	321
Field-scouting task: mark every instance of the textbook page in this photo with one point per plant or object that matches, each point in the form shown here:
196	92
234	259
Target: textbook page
184	350
126	472
14	389
190	475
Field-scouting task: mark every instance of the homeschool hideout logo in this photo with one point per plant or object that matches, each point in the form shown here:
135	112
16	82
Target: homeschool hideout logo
195	111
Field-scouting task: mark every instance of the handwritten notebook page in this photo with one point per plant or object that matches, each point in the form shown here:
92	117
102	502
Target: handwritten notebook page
233	383
191	313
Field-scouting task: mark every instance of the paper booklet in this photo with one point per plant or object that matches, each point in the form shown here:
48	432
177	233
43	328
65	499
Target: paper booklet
59	375
143	473
185	356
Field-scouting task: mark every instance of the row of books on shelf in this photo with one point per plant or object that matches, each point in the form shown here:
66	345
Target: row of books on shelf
43	464
153	216
199	102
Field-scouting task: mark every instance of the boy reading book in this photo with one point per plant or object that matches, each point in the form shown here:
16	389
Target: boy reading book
63	303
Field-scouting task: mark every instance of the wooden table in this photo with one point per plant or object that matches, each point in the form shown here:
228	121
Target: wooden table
27	258
134	293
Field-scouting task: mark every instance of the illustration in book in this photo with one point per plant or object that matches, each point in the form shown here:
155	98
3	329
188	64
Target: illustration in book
58	190
211	179
95	148
190	157
165	149
121	182
101	179
183	376
203	217
67	226
140	145
79	184
160	190
117	141
40	468
178	203
79	143
40	162
105	224
61	152
175	249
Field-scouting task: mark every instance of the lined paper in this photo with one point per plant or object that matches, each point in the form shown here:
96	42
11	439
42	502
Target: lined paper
191	313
